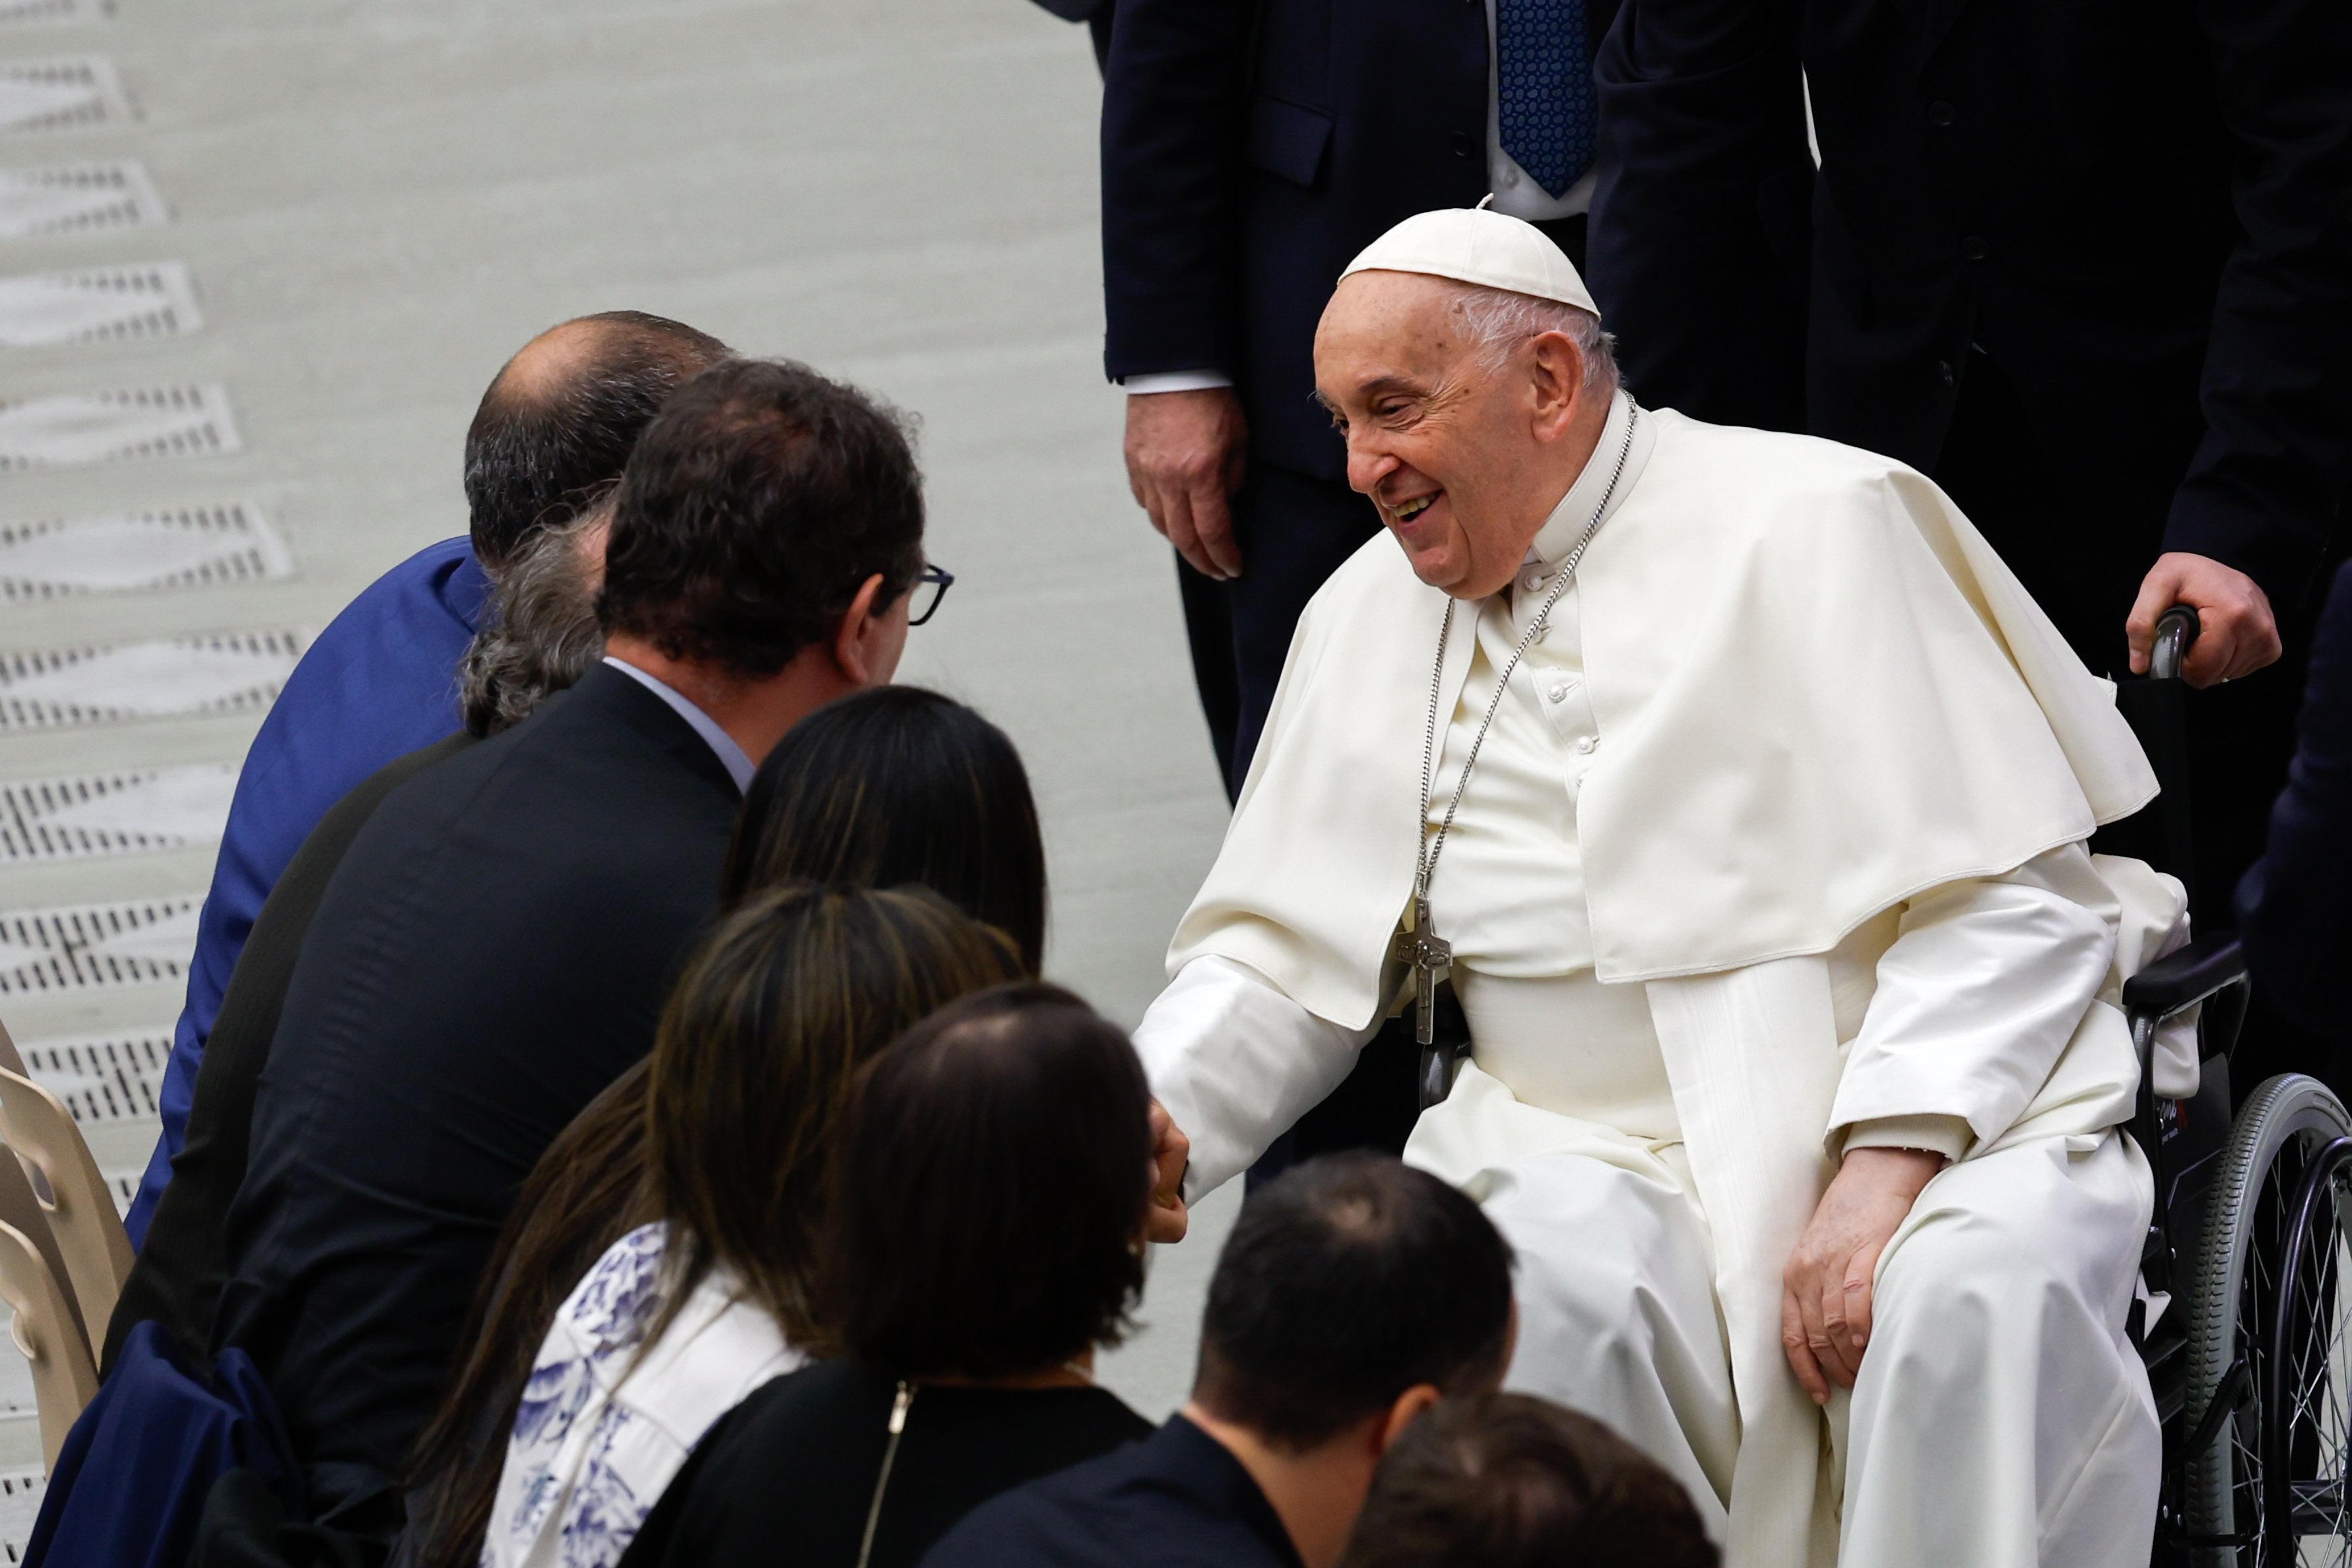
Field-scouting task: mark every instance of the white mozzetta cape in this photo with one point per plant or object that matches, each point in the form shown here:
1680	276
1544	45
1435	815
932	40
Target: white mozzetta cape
1819	693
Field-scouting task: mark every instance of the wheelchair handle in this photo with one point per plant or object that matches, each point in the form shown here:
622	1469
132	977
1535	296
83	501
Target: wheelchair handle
2176	630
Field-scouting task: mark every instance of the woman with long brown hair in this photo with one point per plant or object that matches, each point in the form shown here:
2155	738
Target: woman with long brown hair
892	787
993	1173
686	1314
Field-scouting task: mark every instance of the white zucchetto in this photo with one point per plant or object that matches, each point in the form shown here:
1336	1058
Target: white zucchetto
1471	245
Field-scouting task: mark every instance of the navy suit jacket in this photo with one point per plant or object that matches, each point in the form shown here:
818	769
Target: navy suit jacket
2141	209
1249	151
2295	908
492	951
379	683
1177	1500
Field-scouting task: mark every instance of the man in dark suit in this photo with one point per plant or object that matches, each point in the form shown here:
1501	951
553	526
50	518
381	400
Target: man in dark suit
497	943
377	683
1268	1463
2088	265
1248	153
2295	906
541	638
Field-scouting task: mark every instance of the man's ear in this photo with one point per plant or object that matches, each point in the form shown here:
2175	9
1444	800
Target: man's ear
853	644
1404	1411
1557	370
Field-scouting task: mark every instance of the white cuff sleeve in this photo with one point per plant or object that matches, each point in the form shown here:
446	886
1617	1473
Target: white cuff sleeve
1236	1062
1977	997
1946	1135
1174	381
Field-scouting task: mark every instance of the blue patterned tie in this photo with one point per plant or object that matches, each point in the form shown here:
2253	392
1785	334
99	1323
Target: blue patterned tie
1543	90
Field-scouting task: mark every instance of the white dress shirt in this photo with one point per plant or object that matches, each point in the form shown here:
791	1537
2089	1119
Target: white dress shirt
732	757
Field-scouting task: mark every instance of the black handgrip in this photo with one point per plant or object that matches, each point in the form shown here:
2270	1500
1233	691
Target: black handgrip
2176	633
2184	975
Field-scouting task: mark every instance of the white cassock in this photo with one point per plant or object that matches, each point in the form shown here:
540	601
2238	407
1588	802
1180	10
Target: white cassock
1775	849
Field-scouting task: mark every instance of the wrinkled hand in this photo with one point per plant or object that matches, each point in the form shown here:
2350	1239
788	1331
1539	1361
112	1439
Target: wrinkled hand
1184	455
1826	1300
1171	1152
2236	632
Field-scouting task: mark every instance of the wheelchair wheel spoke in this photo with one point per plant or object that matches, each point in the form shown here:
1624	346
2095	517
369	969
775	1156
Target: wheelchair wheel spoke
2315	1350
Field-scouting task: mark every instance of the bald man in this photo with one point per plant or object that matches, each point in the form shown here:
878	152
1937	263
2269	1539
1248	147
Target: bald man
551	434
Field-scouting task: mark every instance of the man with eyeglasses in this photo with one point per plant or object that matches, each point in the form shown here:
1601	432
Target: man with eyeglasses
496	946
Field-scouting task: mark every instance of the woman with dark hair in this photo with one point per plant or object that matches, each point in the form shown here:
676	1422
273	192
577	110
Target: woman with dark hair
891	787
994	1174
686	1313
898	784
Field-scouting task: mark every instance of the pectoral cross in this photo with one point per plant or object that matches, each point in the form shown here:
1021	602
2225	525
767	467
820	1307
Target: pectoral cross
1431	959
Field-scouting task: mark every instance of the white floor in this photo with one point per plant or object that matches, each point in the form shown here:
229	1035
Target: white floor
258	258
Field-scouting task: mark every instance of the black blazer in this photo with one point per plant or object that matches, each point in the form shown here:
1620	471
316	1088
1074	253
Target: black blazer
176	1279
1249	151
2142	208
2295	908
493	950
792	1475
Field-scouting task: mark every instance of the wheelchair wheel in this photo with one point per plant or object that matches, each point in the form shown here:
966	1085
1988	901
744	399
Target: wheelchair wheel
2267	1339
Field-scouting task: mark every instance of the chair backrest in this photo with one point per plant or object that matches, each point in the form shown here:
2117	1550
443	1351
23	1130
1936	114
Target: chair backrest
65	1379
72	1193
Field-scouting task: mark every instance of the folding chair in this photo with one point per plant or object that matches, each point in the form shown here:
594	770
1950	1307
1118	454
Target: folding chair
87	1233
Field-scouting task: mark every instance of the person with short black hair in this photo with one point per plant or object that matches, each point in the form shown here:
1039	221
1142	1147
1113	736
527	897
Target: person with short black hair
1353	1293
495	947
1508	1480
992	1181
827	485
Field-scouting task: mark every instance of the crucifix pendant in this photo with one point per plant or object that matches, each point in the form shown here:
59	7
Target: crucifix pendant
1431	959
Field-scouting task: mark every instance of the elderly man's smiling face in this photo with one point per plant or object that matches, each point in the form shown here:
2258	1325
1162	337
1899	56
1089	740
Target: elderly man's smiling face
1463	461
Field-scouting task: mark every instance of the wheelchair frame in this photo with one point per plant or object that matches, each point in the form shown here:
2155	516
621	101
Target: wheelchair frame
2240	1270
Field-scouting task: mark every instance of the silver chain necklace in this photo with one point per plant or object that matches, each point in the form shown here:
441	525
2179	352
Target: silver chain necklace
1430	956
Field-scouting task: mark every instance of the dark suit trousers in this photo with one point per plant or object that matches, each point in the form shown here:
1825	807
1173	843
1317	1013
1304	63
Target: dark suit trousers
1293	531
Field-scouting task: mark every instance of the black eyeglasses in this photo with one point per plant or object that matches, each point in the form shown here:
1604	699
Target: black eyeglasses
923	598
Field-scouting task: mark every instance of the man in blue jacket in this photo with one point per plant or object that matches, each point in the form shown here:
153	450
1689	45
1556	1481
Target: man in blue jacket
551	435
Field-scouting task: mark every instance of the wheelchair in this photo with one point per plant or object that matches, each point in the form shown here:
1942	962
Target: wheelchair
2245	1321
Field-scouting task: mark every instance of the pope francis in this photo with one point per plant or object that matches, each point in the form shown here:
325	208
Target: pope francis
1742	794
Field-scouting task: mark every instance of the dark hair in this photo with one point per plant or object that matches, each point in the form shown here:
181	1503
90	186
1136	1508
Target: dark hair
539	632
752	1065
722	1131
994	1173
560	419
1506	1480
898	784
758	502
1346	1281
